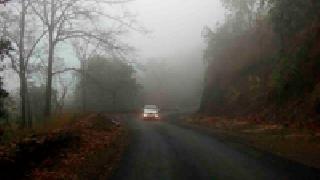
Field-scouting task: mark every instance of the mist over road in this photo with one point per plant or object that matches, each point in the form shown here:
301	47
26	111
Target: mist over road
164	150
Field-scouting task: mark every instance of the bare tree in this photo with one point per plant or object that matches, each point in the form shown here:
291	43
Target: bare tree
69	19
17	28
22	73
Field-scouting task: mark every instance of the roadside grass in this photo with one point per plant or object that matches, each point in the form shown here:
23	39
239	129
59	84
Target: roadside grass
56	123
295	142
12	133
95	157
70	146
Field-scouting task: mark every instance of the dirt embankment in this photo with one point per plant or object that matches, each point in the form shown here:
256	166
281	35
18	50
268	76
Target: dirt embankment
89	147
293	141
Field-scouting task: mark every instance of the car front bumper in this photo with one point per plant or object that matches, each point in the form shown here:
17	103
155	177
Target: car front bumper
150	116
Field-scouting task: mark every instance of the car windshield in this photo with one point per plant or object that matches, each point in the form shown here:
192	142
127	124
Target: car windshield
150	107
150	111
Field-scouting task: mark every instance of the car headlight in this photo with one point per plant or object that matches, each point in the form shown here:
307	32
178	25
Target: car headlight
144	115
157	115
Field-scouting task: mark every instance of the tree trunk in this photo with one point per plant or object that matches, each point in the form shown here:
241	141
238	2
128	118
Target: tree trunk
22	98
22	73
47	110
83	86
49	76
114	101
28	106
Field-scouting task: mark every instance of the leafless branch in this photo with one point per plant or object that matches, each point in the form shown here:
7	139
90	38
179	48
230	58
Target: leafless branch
43	18
66	70
34	46
13	63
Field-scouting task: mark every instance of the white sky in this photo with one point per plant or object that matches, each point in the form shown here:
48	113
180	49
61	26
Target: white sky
176	25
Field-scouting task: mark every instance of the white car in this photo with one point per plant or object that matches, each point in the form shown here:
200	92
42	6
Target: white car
151	112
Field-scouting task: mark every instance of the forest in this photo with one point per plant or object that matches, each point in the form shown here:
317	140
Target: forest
65	72
263	61
35	36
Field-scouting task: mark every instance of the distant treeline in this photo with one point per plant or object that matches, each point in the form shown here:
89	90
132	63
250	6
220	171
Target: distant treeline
107	85
264	60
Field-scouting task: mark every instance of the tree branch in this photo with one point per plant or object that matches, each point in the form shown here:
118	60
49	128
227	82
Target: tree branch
13	63
42	18
34	46
66	70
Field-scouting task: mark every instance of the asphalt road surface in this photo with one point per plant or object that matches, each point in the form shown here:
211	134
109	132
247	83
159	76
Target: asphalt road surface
164	150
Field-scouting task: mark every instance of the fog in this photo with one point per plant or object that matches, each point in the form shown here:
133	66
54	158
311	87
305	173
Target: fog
159	89
174	38
161	40
175	25
172	34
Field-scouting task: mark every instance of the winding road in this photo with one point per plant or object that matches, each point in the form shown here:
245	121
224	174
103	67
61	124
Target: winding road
164	150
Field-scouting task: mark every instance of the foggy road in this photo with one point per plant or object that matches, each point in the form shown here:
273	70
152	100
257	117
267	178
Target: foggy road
164	150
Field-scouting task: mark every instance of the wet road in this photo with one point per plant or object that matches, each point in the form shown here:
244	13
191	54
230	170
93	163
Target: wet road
164	151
